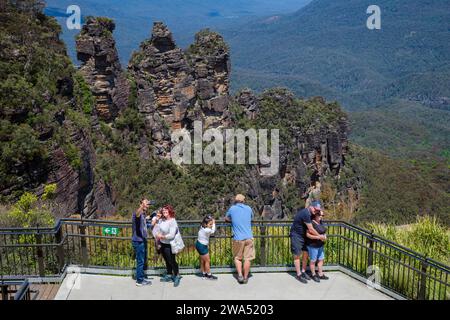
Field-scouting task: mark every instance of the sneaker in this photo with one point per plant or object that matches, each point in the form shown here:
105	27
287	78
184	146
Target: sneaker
211	277
143	283
167	278
204	276
316	278
176	281
245	281
301	279
323	277
305	276
241	279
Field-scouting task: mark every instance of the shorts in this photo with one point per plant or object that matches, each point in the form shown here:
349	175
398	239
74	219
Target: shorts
244	249
297	244
316	253
201	248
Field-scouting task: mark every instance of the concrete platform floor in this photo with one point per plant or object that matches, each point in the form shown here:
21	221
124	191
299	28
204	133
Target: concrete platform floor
261	286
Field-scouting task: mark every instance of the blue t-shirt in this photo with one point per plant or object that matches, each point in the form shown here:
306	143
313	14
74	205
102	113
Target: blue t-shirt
299	226
241	221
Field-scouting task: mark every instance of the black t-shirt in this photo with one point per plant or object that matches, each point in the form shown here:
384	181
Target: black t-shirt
299	227
316	243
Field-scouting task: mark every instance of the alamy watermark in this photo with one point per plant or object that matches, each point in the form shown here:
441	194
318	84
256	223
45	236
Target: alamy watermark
374	20
234	141
74	20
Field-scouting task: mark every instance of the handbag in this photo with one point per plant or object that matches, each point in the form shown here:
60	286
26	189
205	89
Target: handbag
177	243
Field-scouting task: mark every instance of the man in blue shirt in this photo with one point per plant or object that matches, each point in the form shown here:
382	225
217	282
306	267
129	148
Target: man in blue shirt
301	224
139	240
240	215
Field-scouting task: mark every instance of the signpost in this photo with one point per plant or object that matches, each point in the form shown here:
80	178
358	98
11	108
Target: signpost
114	231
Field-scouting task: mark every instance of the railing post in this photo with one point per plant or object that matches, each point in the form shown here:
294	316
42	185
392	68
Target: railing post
423	280
40	255
370	251
4	292
84	253
262	232
59	248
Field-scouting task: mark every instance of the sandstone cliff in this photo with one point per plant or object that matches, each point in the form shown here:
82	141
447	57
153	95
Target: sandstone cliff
175	88
96	48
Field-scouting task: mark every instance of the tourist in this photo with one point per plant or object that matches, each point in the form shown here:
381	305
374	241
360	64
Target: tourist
155	220
302	222
315	247
240	215
139	241
313	193
207	228
168	229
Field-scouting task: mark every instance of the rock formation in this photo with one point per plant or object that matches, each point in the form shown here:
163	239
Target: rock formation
78	191
96	48
313	155
175	88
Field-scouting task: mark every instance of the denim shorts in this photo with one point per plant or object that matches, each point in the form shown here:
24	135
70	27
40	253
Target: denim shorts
316	253
201	248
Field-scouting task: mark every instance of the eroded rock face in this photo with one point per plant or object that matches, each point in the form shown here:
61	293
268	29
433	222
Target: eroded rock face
312	155
176	88
96	48
78	191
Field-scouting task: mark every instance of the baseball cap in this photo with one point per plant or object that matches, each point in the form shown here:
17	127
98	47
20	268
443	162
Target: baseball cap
316	204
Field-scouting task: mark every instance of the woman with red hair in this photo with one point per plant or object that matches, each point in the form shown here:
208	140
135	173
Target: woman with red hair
168	229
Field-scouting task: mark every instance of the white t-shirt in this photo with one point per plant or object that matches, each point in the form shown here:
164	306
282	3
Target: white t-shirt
205	233
168	228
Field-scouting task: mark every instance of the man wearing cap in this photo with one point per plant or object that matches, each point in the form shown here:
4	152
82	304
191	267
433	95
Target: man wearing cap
139	241
240	215
302	223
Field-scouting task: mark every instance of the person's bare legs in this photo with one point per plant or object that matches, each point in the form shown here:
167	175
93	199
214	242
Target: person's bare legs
320	267
207	264
312	267
297	264
304	260
238	264
201	265
247	264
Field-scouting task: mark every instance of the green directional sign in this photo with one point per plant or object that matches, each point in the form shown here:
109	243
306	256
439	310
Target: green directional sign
114	231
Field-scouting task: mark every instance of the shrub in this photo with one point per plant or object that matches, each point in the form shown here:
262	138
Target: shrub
28	212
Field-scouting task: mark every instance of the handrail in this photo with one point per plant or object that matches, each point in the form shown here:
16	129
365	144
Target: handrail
76	221
74	241
23	292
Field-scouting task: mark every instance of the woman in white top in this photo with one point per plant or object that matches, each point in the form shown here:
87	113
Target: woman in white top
168	228
207	228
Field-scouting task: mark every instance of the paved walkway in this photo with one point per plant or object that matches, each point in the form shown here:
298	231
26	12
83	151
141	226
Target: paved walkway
260	286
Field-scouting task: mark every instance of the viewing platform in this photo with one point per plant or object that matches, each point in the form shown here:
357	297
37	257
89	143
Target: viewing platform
35	261
261	286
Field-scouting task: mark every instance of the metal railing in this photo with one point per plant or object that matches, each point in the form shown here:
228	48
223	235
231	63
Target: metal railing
15	290
45	252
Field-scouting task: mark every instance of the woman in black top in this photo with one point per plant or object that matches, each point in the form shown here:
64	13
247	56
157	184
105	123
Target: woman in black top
316	248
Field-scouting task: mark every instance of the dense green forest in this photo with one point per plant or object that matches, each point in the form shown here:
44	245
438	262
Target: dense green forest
44	100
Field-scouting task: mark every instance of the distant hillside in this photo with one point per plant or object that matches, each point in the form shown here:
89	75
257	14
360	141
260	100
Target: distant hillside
327	44
403	129
396	191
